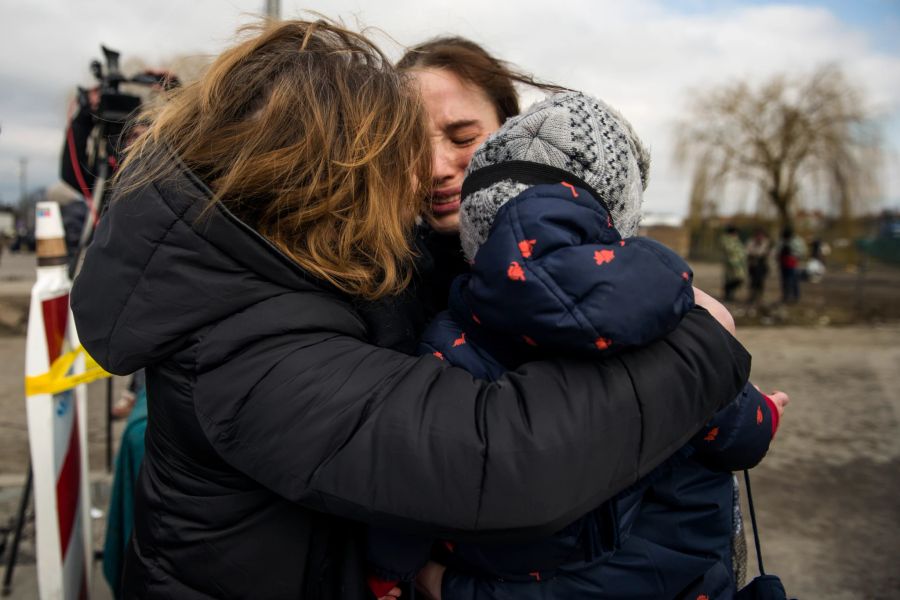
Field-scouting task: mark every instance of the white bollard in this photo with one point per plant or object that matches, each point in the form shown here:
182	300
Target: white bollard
57	428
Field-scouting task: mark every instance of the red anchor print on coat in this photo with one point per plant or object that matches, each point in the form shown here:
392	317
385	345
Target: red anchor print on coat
529	341
515	272
525	247
759	415
602	343
711	436
460	340
604	256
439	355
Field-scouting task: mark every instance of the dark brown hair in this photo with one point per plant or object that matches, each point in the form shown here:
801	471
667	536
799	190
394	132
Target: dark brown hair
307	133
473	64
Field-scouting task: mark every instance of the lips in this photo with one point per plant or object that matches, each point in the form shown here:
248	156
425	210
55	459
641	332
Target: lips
445	201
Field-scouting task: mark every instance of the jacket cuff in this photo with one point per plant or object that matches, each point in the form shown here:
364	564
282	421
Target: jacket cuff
380	587
773	410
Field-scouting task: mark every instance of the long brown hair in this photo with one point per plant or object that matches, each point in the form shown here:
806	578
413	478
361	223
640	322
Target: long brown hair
307	133
473	64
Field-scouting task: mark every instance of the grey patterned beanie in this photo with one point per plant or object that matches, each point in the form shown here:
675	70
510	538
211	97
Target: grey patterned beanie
569	131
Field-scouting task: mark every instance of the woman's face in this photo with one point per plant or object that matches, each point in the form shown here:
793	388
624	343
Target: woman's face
460	117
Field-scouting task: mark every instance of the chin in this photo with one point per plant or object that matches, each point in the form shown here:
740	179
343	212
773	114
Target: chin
445	224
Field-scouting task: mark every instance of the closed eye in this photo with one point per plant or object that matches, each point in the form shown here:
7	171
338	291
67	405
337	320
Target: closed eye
462	143
463	133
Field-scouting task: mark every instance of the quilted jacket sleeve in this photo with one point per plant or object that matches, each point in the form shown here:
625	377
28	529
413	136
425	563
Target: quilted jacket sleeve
359	431
445	339
738	436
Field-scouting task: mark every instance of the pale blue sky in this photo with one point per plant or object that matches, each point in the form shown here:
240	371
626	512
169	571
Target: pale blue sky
879	18
642	56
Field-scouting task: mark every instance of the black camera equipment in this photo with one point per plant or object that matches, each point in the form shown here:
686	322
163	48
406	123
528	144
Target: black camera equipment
111	118
115	107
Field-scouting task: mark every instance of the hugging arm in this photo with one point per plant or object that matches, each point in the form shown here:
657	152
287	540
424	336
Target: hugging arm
367	433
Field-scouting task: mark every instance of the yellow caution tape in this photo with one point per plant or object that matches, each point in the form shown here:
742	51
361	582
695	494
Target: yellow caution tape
58	380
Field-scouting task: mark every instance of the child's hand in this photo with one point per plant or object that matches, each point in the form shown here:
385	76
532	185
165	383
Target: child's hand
391	595
715	308
777	401
780	400
429	580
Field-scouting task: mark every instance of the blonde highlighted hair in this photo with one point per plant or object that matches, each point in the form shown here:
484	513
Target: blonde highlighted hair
307	133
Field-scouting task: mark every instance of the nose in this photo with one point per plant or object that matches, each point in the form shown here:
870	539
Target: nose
442	164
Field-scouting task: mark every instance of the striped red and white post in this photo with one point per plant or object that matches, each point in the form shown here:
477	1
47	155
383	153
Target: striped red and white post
57	430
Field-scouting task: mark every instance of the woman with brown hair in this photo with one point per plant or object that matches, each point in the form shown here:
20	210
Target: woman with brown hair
263	206
468	94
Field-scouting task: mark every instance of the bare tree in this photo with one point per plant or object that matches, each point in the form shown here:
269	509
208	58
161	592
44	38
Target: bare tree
783	136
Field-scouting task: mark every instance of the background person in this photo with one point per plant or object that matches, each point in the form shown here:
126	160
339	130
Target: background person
791	253
262	202
759	250
73	211
734	261
814	270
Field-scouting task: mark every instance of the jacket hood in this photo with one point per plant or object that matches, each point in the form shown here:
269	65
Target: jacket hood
161	268
555	274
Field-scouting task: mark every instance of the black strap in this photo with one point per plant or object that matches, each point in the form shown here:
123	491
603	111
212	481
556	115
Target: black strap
759	559
524	171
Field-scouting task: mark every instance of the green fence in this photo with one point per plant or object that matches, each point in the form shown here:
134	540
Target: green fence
884	249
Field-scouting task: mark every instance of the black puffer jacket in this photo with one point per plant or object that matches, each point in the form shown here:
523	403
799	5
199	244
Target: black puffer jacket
272	420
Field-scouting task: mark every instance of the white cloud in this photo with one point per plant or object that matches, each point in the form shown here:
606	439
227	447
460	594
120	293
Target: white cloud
640	56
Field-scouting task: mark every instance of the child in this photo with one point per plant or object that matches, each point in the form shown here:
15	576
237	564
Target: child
549	207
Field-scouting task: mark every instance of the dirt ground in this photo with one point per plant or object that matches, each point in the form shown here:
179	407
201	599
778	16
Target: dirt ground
827	494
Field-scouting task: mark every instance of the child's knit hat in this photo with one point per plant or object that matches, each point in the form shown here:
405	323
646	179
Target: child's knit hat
569	133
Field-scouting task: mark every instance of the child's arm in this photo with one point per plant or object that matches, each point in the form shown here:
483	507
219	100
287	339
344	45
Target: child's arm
738	436
446	339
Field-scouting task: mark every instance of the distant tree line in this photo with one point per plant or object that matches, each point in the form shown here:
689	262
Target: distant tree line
788	137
